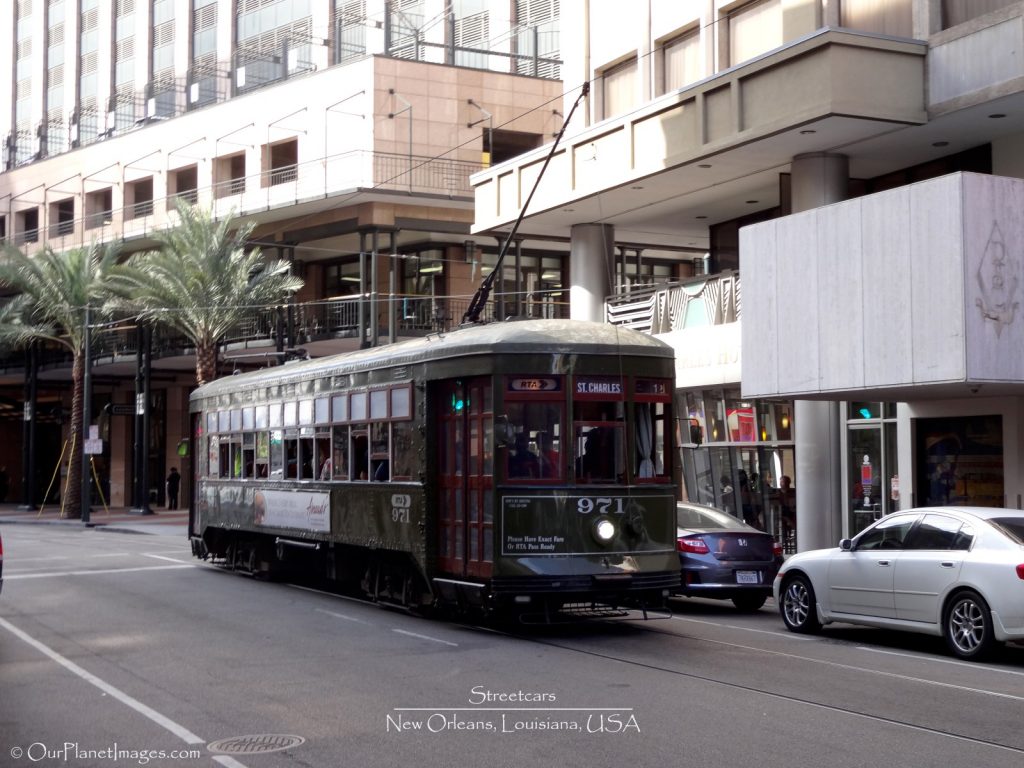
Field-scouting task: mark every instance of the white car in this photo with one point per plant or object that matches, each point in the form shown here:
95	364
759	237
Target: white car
951	571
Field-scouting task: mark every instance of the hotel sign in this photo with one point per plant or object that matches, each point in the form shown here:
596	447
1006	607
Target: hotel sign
706	356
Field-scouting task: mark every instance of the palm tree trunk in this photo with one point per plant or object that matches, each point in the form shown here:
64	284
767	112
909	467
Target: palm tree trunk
72	492
206	363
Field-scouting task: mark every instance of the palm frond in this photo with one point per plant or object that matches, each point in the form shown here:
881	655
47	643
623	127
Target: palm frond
201	281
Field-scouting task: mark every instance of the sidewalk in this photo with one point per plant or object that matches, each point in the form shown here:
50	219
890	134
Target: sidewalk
162	521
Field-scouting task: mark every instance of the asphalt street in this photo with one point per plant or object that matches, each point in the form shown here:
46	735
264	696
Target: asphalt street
119	649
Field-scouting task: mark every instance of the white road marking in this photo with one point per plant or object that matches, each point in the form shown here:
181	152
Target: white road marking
19	560
335	595
164	557
341	616
165	722
424	637
867	670
790	635
97	572
966	664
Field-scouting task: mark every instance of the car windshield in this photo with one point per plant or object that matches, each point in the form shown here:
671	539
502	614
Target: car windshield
1011	526
697	517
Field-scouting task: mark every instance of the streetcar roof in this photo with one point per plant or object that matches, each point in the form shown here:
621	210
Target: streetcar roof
512	336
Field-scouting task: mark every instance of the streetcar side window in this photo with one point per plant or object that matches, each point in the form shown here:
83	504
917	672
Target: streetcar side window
339	460
248	454
262	454
322	452
380	446
307	455
291	454
276	454
403	456
360	453
213	456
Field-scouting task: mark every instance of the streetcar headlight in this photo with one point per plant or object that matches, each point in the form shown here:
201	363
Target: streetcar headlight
604	530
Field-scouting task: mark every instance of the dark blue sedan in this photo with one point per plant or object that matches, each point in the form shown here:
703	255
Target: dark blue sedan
724	558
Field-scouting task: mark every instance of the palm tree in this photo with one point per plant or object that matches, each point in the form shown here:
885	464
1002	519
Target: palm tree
53	291
201	282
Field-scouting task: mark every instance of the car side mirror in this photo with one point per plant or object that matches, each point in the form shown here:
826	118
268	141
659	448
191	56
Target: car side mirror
846	545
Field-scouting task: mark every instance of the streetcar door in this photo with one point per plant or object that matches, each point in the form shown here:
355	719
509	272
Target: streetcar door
466	484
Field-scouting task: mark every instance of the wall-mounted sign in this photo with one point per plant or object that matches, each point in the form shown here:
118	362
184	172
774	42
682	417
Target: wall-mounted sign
534	384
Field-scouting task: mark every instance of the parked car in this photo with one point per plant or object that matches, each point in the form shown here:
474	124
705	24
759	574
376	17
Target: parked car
955	572
723	557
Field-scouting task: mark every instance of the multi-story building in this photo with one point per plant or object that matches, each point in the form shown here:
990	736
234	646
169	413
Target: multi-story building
857	164
345	129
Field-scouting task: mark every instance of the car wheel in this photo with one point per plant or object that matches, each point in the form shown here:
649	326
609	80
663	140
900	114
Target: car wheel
798	608
967	626
749	603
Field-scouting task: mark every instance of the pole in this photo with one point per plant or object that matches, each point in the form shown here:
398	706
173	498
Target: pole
374	292
137	450
142	358
147	336
28	430
86	478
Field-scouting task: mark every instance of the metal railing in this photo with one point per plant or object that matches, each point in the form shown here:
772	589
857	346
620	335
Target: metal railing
532	50
707	300
322	177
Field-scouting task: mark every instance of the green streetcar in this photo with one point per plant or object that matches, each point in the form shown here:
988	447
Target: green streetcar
524	466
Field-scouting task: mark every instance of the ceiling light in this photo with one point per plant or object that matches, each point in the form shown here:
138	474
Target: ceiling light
704	165
807	131
940	143
636	186
568	210
997	115
701	217
751	202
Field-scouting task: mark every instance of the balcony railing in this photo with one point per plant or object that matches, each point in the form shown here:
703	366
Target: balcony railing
298	324
318	178
709	300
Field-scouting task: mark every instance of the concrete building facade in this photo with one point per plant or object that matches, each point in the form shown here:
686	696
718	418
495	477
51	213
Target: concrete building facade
852	166
346	131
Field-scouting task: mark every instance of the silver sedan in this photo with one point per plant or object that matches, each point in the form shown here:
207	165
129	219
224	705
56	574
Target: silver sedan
956	572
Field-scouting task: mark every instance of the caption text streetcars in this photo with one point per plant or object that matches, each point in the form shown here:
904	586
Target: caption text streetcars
512	712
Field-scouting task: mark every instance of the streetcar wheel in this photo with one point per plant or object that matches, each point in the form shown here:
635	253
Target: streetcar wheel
967	625
749	603
799	610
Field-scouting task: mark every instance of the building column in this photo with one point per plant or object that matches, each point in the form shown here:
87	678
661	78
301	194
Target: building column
591	262
818	179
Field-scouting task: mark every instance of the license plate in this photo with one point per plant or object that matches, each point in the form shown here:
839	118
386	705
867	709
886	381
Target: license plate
748	577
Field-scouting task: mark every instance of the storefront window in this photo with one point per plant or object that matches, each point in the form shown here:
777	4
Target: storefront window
749	470
871	462
866	469
714	414
960	461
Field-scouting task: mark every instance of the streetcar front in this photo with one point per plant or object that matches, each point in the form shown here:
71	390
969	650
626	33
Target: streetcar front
575	505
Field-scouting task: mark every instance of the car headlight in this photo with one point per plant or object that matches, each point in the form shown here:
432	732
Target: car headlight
604	530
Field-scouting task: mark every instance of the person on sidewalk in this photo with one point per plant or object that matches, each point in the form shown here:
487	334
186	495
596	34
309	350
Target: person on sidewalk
173	483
